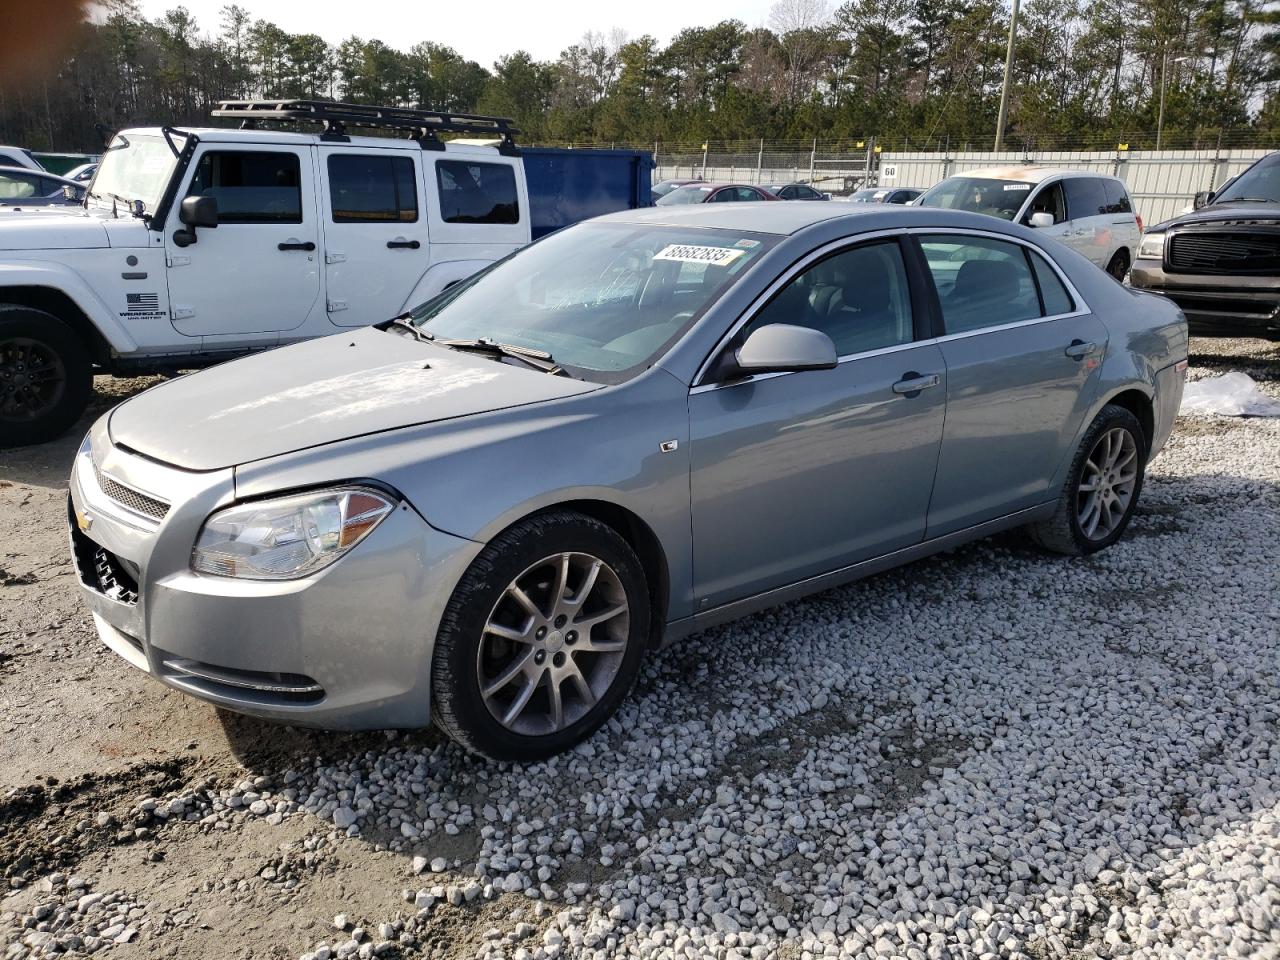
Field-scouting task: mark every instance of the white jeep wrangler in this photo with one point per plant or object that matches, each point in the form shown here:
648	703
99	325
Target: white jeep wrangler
196	246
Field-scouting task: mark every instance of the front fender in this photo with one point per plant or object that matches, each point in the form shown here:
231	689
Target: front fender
57	276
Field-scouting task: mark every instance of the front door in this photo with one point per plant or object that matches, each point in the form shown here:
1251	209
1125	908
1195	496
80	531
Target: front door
1090	225
1022	357
797	474
257	272
375	232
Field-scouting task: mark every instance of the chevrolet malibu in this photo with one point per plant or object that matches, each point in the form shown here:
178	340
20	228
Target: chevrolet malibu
489	510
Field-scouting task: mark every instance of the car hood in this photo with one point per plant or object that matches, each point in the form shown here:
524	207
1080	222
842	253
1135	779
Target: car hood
1233	213
51	229
319	392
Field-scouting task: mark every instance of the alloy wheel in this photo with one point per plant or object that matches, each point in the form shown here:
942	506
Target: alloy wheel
32	379
553	643
1107	483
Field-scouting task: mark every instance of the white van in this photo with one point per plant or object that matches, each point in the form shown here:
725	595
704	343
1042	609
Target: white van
1089	212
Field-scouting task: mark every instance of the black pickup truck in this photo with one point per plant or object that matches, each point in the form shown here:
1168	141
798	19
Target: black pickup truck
1221	263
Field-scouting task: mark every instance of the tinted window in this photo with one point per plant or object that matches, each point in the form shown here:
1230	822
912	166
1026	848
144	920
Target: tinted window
1085	197
1117	197
1053	295
1048	200
6	160
724	196
250	187
364	189
980	282
1259	182
477	192
859	298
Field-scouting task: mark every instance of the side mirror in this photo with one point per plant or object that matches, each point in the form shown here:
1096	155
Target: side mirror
1202	199
195	212
782	347
69	193
1040	220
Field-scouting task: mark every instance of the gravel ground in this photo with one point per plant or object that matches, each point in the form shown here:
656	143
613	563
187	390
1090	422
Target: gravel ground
992	753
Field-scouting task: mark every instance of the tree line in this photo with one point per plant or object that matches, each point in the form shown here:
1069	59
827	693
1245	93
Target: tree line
927	72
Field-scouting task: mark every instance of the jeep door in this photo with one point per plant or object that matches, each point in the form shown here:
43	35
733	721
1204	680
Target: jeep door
258	272
375	231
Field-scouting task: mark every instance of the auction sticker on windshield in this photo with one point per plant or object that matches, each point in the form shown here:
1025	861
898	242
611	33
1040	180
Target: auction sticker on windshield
689	253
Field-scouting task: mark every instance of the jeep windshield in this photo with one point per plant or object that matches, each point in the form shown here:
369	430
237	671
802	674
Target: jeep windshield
135	168
995	198
605	300
1259	184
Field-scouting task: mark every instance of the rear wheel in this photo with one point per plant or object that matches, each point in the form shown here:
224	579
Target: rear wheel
1102	487
542	638
45	376
1119	265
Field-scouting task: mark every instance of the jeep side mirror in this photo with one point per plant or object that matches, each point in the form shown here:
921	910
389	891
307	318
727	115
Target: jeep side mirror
1202	199
1040	220
195	212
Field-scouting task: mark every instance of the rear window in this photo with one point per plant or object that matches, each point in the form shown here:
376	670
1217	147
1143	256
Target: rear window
1085	197
372	189
477	192
250	186
1117	197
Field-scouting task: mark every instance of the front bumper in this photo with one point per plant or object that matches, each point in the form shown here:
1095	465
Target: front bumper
347	648
1221	306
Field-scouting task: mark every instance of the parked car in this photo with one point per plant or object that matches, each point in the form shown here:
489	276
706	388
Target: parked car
1089	212
1221	262
663	187
884	195
196	246
795	191
83	173
18	157
490	510
715	193
24	187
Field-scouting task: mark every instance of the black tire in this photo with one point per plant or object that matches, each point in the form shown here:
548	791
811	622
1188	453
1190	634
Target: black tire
36	410
1062	533
457	703
1119	265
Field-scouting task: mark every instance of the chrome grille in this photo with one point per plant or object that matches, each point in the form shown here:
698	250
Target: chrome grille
130	498
1240	252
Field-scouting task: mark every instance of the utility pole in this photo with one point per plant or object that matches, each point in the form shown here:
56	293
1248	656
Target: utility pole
1008	75
1164	73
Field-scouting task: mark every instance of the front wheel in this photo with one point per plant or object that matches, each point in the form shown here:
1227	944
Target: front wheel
1102	487
45	376
542	638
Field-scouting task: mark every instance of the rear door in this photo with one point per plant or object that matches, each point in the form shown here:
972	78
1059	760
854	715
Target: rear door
375	231
1022	353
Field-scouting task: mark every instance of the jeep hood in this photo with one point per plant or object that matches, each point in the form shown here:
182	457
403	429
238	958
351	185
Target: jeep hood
1227	212
319	392
47	230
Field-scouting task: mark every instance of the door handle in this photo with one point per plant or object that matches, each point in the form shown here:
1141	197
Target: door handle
295	245
1079	350
912	383
407	244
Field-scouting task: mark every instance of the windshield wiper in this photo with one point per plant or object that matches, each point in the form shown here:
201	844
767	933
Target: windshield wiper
1246	200
538	359
404	323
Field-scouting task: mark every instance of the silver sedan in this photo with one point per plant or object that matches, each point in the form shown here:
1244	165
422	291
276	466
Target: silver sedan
486	512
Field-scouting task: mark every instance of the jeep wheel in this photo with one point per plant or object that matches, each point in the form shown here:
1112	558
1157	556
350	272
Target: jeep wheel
45	376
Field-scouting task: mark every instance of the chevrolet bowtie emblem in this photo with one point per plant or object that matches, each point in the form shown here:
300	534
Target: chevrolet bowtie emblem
83	521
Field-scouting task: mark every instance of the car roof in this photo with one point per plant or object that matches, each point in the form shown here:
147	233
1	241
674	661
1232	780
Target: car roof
291	138
1028	173
32	172
788	218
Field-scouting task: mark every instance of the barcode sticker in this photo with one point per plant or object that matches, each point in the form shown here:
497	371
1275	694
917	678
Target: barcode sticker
689	253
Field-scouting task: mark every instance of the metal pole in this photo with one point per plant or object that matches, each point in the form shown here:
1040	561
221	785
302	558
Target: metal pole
1164	73
1008	73
760	161
813	155
704	160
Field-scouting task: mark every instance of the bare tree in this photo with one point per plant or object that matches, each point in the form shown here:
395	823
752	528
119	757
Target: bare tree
802	27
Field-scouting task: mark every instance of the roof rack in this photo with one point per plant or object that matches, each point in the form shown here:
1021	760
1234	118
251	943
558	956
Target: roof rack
420	125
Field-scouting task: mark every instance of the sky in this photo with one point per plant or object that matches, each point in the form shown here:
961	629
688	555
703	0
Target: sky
481	31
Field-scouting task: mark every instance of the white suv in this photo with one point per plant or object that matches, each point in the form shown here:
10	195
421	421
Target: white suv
1089	212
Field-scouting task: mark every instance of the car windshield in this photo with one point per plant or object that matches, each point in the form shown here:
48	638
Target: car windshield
660	190
864	196
996	198
693	193
136	168
604	299
1259	182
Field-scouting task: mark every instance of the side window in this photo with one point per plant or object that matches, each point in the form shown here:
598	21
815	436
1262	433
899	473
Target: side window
250	186
1053	294
477	192
723	196
7	161
980	282
746	193
859	298
1049	200
1085	197
787	193
14	186
372	189
1117	197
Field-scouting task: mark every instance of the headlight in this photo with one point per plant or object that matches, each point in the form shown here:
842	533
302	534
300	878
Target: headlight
1151	247
290	537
